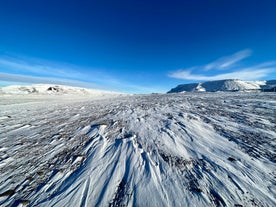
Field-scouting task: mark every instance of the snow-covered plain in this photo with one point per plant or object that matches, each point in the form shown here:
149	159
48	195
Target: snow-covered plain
196	149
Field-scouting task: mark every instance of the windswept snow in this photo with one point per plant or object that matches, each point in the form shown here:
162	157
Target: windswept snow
211	149
225	85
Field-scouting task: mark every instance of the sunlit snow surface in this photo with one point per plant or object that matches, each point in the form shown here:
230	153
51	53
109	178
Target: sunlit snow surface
194	149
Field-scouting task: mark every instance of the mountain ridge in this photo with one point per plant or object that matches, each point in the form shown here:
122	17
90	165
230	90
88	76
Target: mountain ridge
51	89
227	85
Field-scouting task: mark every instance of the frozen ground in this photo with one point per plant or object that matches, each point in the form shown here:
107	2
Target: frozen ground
196	149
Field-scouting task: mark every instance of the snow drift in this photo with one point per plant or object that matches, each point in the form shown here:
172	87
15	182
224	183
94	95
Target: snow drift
153	150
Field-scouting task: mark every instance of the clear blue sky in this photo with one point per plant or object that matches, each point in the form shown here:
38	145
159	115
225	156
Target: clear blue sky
136	46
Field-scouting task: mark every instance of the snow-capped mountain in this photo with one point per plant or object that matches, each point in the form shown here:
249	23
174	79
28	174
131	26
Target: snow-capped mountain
226	85
50	89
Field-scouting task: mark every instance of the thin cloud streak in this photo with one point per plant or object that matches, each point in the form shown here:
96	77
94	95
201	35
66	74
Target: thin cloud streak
33	70
38	68
254	72
245	74
12	79
17	78
228	61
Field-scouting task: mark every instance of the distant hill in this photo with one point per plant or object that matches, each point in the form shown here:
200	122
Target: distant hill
226	85
51	89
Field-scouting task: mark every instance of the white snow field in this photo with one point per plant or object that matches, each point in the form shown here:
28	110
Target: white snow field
192	149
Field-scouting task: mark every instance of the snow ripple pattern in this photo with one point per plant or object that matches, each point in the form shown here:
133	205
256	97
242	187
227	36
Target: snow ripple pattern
144	150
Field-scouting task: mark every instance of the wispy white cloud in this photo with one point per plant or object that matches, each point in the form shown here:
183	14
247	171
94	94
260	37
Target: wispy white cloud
17	78
245	74
254	72
39	67
33	70
24	70
228	61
